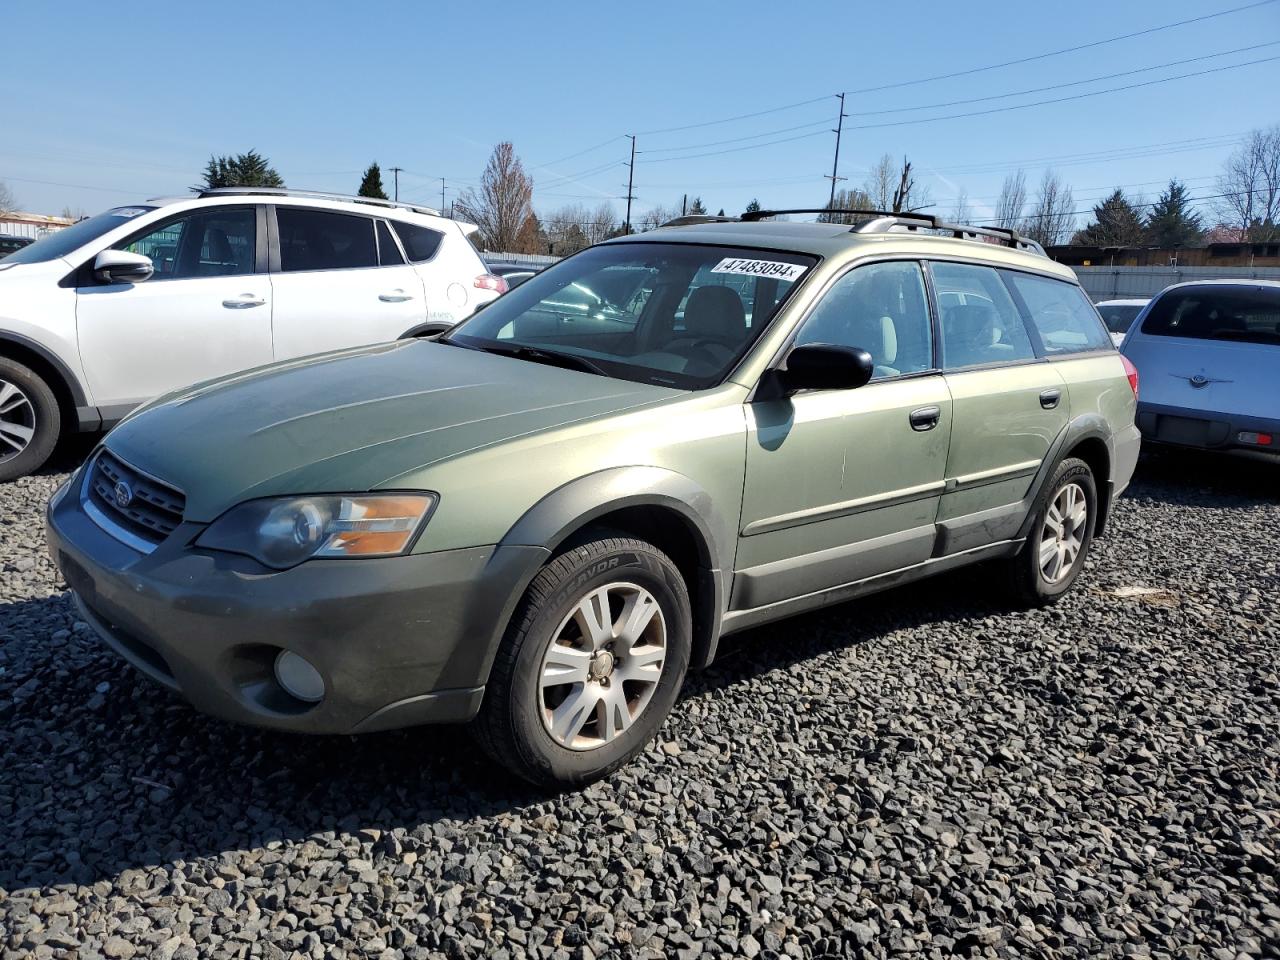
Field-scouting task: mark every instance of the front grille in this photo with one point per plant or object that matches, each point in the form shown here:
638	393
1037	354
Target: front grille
141	505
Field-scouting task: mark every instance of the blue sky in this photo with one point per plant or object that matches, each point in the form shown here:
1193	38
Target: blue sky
104	106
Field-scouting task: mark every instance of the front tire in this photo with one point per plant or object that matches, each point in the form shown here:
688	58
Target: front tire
591	663
1061	532
30	420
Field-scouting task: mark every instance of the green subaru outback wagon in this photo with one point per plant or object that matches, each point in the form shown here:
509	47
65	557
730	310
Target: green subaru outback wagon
538	522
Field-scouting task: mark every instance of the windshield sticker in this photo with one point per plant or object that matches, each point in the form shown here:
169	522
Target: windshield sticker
773	269
128	211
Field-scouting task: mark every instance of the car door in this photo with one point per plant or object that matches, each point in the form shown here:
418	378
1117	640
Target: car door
205	312
340	280
1009	406
842	485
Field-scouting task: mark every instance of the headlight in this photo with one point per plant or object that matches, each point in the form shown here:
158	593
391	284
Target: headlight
283	532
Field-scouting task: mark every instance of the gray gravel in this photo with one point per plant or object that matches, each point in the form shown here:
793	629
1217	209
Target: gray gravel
922	773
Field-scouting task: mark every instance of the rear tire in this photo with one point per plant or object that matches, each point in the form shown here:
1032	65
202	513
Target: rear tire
30	420
1061	532
591	663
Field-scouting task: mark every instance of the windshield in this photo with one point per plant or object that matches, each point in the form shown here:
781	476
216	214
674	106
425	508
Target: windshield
1250	314
676	314
1119	316
62	242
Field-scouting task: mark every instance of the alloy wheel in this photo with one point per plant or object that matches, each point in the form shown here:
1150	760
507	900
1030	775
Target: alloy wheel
1062	537
17	420
602	666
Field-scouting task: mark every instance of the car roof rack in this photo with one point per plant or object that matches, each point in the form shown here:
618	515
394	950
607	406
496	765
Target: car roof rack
690	219
884	221
314	195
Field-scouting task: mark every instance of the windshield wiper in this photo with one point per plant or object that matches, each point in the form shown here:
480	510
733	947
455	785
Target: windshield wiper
570	361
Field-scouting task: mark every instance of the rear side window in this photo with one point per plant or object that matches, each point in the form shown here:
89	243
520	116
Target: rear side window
421	243
1119	317
1250	314
318	240
389	254
1061	314
980	323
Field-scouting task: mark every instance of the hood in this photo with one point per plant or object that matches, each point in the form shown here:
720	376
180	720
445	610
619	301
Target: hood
351	421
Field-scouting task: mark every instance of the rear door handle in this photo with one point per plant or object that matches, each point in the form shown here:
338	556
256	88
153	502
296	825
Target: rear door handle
395	296
243	301
1049	398
925	418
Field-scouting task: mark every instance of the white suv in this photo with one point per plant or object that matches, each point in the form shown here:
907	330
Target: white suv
144	299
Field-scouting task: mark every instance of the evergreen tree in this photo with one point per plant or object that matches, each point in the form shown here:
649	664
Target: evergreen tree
245	170
371	185
721	213
753	206
1173	223
696	208
1116	223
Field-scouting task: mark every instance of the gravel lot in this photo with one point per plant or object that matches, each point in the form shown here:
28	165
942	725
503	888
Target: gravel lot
922	773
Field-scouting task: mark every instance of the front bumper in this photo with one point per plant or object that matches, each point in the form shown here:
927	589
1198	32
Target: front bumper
1206	430
399	641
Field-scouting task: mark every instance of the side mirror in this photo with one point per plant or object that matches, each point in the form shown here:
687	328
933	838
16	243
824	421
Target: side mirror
119	266
825	366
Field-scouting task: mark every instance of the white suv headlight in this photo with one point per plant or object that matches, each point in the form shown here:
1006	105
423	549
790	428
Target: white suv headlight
283	532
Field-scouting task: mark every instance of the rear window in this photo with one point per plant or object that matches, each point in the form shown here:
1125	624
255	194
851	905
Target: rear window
420	243
318	240
1060	313
1249	314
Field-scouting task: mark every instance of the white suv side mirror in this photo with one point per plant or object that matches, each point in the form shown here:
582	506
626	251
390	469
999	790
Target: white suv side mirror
119	266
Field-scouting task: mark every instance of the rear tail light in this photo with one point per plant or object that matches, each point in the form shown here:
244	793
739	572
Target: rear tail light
488	281
1257	439
1132	373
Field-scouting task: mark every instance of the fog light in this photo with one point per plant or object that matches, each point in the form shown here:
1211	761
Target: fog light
1258	439
299	677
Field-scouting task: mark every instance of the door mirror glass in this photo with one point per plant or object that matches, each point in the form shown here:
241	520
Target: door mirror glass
825	366
120	266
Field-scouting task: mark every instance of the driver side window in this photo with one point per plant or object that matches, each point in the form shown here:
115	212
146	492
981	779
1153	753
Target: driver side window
209	243
880	308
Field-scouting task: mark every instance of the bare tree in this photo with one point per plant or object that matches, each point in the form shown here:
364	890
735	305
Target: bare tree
1051	221
8	202
601	224
853	199
1012	202
961	212
1250	184
503	204
907	196
880	182
655	218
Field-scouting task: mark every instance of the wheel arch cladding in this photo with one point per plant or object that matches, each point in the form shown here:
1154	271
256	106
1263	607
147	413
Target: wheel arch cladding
48	367
659	506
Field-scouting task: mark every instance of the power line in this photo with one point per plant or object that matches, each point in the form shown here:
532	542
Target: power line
573	156
1078	96
967	72
1098	156
1060	86
1055	53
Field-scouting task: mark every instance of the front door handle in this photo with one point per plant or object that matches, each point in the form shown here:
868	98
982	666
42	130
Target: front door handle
925	418
243	301
395	296
1049	398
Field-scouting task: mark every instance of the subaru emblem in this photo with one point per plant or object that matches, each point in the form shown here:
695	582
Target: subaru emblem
123	494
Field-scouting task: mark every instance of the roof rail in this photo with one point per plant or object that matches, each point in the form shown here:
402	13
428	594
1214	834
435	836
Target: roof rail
692	218
315	195
884	221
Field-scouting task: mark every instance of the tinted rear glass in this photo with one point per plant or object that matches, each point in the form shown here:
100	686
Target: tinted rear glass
420	243
1249	314
318	240
1119	316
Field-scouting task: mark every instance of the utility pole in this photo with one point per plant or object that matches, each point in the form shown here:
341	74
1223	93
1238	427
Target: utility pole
396	171
442	194
835	164
631	176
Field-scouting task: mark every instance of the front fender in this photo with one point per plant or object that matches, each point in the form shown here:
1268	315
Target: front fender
558	515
